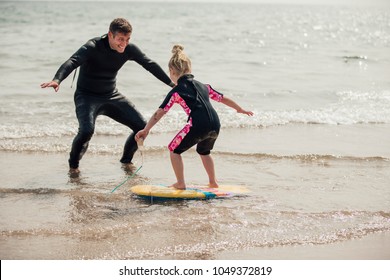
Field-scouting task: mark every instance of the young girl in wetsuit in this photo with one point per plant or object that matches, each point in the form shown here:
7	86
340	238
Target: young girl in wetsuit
203	124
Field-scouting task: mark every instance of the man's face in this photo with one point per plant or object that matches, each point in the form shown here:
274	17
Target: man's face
118	41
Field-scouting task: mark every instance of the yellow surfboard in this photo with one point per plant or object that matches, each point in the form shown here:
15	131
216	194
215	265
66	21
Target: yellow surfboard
191	192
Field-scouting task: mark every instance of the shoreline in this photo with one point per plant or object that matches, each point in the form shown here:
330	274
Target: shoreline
359	140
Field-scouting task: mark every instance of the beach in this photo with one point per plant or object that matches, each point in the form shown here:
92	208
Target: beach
79	218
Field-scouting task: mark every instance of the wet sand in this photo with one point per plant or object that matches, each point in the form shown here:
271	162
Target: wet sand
309	200
23	214
372	247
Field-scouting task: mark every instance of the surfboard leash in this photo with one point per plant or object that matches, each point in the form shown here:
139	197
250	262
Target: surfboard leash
132	175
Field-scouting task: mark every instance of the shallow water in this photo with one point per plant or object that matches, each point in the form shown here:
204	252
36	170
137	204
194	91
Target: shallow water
293	201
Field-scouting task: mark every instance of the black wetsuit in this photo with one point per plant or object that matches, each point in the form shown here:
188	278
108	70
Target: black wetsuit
96	92
203	123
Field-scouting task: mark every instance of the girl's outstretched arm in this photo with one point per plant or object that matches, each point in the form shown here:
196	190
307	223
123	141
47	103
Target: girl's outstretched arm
229	102
153	120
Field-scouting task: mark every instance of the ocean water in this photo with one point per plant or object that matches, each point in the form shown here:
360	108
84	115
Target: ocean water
315	154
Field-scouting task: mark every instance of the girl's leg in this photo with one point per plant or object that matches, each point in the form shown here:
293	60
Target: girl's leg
178	168
208	164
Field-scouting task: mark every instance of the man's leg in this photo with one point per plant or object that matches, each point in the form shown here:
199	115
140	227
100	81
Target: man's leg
123	111
86	113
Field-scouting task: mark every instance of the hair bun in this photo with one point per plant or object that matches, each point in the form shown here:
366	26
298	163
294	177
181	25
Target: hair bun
177	48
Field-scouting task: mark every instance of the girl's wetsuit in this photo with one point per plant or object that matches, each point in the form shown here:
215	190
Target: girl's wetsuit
96	92
203	124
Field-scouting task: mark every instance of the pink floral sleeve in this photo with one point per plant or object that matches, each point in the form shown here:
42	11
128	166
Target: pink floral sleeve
176	98
214	95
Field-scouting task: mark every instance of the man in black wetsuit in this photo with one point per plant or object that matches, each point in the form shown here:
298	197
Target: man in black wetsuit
96	94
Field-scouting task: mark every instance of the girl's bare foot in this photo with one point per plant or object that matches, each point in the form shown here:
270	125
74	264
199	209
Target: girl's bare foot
213	185
179	186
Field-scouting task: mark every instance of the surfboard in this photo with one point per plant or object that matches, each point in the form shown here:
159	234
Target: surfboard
191	192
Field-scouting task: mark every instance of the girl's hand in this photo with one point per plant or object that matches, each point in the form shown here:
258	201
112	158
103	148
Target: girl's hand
245	112
141	134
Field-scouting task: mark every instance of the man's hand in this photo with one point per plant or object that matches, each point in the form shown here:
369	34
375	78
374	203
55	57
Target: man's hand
52	84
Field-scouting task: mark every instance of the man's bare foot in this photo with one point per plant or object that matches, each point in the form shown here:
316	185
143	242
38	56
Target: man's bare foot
129	168
74	170
179	186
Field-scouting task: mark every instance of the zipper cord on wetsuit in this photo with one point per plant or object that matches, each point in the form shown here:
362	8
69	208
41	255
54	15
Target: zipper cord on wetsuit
131	176
74	76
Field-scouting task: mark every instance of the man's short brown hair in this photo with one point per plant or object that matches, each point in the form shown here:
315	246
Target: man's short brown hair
120	25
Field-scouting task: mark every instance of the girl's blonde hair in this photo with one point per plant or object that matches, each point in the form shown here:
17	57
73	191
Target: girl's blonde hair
179	61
